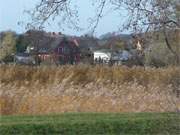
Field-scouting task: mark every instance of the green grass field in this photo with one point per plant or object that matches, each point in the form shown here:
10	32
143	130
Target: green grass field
92	123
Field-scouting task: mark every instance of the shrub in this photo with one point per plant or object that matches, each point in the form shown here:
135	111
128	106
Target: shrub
7	45
158	54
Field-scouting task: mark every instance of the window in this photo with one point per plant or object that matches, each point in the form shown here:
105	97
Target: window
60	50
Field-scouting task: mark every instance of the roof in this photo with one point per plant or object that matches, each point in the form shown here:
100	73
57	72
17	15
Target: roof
103	51
22	55
47	41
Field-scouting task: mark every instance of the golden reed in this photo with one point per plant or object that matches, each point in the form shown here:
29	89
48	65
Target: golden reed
82	88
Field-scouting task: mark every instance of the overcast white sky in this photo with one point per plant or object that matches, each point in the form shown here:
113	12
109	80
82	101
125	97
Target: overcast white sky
12	12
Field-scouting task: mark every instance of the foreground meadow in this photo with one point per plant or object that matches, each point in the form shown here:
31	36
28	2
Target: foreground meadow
52	90
92	124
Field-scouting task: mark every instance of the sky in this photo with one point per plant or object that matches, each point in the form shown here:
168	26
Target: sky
12	12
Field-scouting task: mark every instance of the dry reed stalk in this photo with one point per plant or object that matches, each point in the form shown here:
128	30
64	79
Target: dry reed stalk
44	90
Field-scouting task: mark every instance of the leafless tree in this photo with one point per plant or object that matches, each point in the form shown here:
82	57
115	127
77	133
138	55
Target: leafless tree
50	9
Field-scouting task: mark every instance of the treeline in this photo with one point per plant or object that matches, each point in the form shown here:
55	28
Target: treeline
155	53
10	44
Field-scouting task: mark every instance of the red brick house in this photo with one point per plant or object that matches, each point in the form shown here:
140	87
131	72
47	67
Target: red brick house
61	51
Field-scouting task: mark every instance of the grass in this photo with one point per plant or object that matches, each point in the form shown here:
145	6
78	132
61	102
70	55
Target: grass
40	91
92	124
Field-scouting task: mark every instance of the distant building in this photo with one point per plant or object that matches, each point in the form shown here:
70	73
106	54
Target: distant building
25	59
63	51
102	56
51	48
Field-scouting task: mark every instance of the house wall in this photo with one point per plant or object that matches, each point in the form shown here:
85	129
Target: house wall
67	53
102	56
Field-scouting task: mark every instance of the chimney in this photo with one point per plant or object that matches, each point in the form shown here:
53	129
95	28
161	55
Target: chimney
54	33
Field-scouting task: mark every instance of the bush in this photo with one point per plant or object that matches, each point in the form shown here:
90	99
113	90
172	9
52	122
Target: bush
159	55
7	45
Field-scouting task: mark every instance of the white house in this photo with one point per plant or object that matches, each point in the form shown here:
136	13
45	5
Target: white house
105	56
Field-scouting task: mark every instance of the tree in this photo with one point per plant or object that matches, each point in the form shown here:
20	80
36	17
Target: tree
36	39
153	16
142	15
7	45
154	13
22	44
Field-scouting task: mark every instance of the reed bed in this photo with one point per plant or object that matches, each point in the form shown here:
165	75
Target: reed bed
82	88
